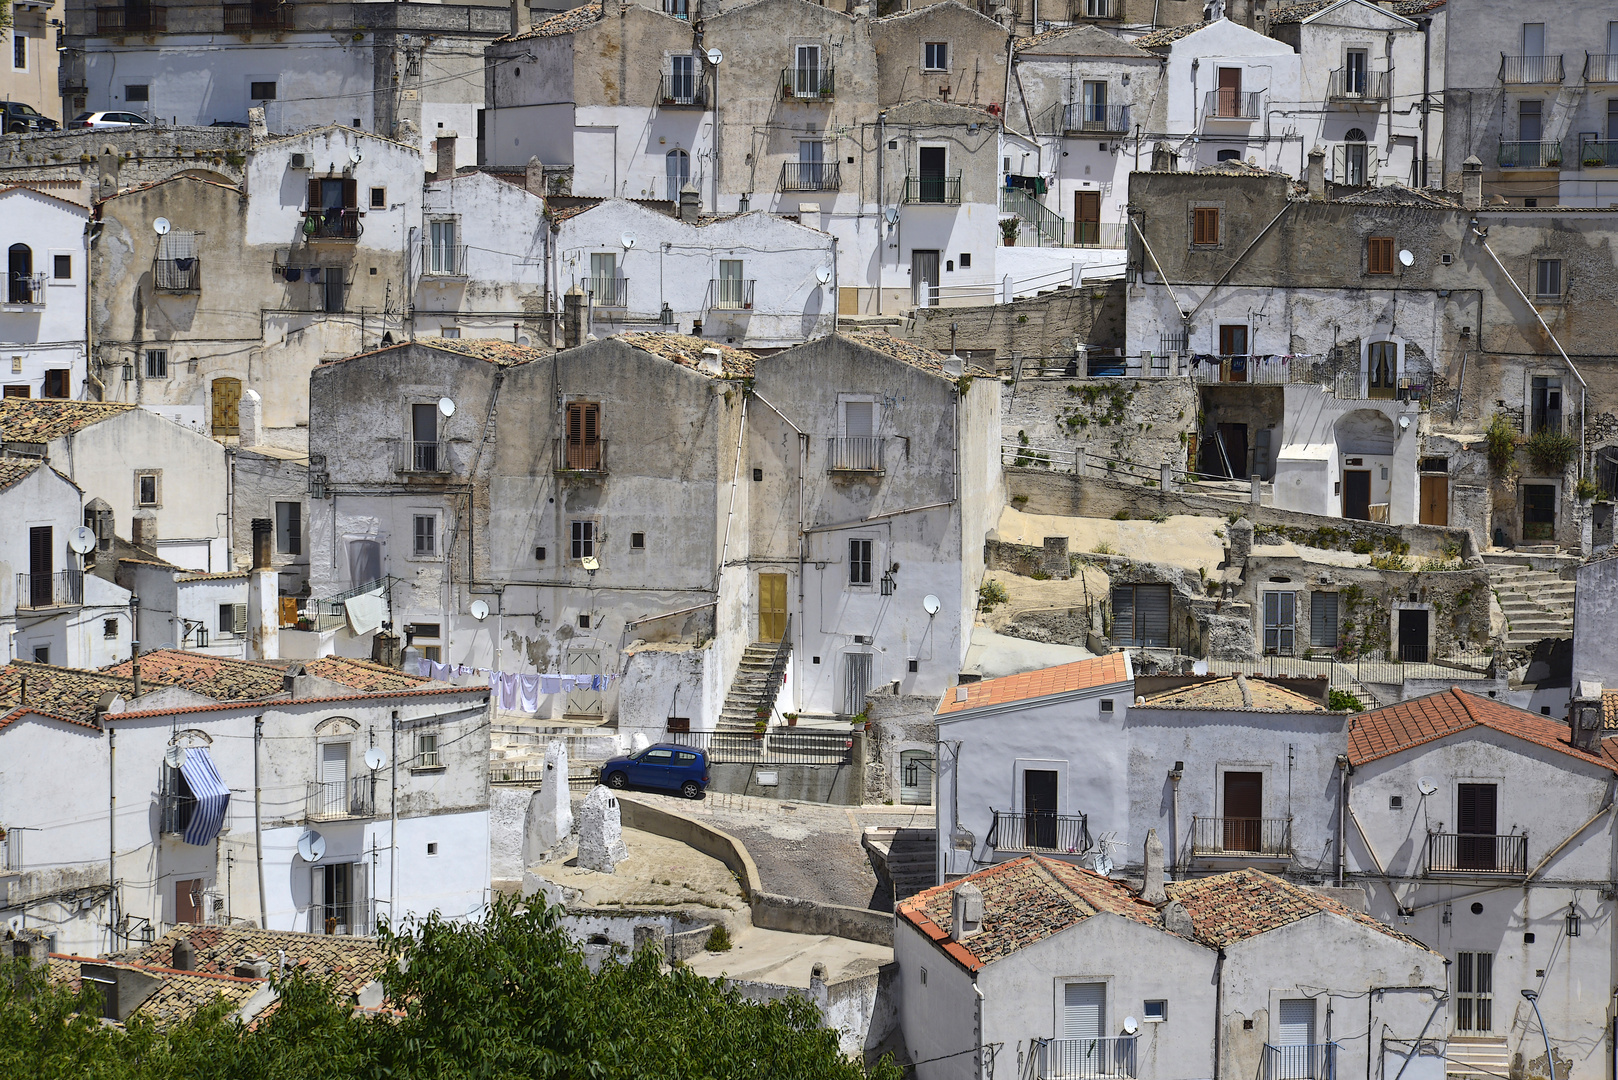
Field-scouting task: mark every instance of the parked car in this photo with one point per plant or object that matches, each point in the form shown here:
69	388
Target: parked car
109	120
17	118
661	765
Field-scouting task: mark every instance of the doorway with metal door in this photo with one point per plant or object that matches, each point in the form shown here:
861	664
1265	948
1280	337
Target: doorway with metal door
1233	450
1413	624
856	682
1086	217
1357	494
924	278
1039	807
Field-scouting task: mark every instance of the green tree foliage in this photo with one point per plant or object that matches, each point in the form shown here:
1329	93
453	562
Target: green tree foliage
504	999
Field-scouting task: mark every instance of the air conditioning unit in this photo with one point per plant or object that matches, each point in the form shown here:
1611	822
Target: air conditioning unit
300	161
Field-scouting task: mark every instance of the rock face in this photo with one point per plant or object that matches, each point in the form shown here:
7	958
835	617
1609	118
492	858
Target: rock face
601	833
550	811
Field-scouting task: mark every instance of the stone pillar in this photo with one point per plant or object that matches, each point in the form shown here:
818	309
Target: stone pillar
690	203
1472	183
601	832
533	179
1053	559
445	146
1317	174
1166	477
1240	533
1152	887
1257	487
573	328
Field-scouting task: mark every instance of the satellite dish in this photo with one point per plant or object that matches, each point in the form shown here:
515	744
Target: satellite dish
161	226
480	610
1427	785
931	604
1104	865
590	562
627	240
174	757
446	406
311	846
375	758
15	923
823	275
355	156
82	539
891	213
715	56
1405	258
1131	1025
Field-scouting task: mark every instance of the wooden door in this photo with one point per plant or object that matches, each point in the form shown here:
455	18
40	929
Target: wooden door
1087	217
227	400
585	702
1233	440
188	901
1039	807
1357	494
1435	500
772	606
1230	91
1244	810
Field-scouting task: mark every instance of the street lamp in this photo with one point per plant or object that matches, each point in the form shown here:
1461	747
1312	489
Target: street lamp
1550	1059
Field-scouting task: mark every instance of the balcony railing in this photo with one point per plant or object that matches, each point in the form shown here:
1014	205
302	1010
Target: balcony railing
26	289
332	224
1230	105
611	292
11	851
352	919
940	190
1530	70
1267	837
683	92
1068	833
1084	117
1469	853
730	294
174	812
443	260
1300	1061
1082	1059
1599	155
61	589
177	275
246	18
1530	155
131	19
579	457
423	456
808	84
810	176
1354	84
351	798
1601	67
855	453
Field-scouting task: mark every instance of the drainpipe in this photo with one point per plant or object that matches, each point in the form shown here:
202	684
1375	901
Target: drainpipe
393	827
881	215
1219	1010
1426	89
1342	810
1174	823
112	831
258	822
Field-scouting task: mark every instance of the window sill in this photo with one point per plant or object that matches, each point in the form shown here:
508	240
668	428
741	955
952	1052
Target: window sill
415	769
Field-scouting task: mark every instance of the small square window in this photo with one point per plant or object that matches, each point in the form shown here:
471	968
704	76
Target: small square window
859	562
425	542
817	659
539	554
1106	705
379	201
1396	802
262	91
427	751
42	654
1548	278
109	628
146	492
758	474
914	664
449	331
157	363
584	622
1379	255
1205	226
1544	710
637	541
1155	1012
141	92
1447	258
966	260
1528	938
62	267
227	618
924	976
432	850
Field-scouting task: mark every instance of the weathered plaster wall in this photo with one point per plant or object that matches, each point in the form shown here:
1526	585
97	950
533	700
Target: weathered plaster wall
1146	422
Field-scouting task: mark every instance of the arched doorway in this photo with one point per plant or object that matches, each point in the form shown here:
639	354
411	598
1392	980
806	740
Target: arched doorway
227	399
677	164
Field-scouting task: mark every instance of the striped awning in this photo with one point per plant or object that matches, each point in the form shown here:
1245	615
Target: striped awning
213	797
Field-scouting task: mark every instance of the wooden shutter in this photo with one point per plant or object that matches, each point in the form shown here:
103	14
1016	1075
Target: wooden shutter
1379	255
40	550
1476	809
314	195
1323	620
351	193
1123	614
1205	225
238	618
1152	614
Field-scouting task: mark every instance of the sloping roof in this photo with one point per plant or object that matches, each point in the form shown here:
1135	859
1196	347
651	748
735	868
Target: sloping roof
28	187
350	962
566	22
1024	901
361	674
60	691
907	352
180	994
14	471
1083	40
219	575
1168	35
1383	732
1062	679
685	350
1399	195
1235	692
1609	709
222	678
493	350
40	420
1298	12
1242	904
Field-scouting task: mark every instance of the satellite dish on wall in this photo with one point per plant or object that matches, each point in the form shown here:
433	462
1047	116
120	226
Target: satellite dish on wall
311	846
446	406
715	56
355	156
1131	1025
161	226
931	604
1405	258
627	240
375	758
82	540
1427	785
480	610
590	562
174	757
823	275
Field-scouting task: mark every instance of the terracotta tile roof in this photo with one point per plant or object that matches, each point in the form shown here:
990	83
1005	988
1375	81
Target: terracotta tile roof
1024	901
1398	195
1236	692
1242	904
685	350
351	962
40	420
1082	40
14	471
908	352
64	692
1298	12
159	563
222	678
1609	709
1382	732
219	576
494	350
1168	35
362	674
566	22
29	187
286	702
179	997
1062	679
20	711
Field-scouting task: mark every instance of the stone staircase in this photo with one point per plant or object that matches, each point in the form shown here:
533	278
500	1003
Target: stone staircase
752	689
1537	603
904	858
1481	1058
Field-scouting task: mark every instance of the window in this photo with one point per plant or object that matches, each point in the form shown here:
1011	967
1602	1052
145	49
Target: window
583	436
1396	802
425	630
451	332
1098	9
677	174
682	79
424	438
584	540
1545	404
262	91
432	850
539	554
1280	623
58	383
1140	615
1095	104
808	72
232	618
1228	155
109	628
42	654
178	802
1155	1012
332	288
337	898
1548	279
1474	991
1379	255
1106	705
859	562
936	56
1435	465
1529	126
441	248
637	541
62	267
1382	378
1323	620
427	751
425	543
19	50
1084	1016
379	198
731	288
1354	68
1205	225
433	653
157	363
1357	159
289	528
147	489
18	391
965	260
811	164
1533	39
584	622
137	93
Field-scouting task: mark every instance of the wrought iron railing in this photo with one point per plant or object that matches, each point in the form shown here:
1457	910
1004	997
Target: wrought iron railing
1599	155
25	289
1040	831
1356	84
810	176
174	812
1530	155
808	83
775	746
178	274
131	19
1471	853
1083	1059
351	798
611	292
730	294
855	453
1241	836
245	18
1230	104
945	190
443	260
579	457
1300	1061
1049	227
61	589
1085	116
336	223
1530	70
1601	67
681	91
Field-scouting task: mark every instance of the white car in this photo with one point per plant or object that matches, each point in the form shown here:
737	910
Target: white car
109	120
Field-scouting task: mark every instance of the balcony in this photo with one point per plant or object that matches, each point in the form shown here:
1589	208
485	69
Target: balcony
1088	118
26	290
810	176
579	458
333	224
177	275
11	851
247	18
174	812
1082	1059
1265	838
687	91
808	84
337	799
1231	105
1469	853
1530	70
1601	67
1355	84
1065	833
730	294
443	260
131	19
608	292
1530	155
423	457
1599	155
65	588
1300	1061
855	453
938	190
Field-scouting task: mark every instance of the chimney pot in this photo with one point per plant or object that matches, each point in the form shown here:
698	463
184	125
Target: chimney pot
446	155
263	531
1317	174
185	956
966	912
1472	183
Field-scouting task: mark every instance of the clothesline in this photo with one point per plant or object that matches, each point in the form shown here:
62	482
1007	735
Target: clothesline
516	691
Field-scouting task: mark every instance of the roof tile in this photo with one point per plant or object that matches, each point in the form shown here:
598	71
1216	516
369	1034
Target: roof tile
1383	732
41	420
1063	679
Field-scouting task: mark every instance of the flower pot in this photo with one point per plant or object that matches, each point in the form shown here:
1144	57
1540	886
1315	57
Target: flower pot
1011	241
792	721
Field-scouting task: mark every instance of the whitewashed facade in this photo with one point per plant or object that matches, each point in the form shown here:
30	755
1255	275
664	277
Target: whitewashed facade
42	304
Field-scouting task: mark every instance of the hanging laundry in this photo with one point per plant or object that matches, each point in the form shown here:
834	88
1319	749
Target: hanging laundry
291	273
528	693
507	694
550	684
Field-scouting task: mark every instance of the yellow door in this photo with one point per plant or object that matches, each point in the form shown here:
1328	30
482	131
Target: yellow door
227	398
772	606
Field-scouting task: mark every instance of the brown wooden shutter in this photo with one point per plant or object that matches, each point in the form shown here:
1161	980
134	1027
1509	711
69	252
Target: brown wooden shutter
314	195
351	193
1205	226
592	424
40	550
1379	258
575	424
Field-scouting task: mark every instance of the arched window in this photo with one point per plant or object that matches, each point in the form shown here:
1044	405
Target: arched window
1356	171
678	167
19	274
1354	135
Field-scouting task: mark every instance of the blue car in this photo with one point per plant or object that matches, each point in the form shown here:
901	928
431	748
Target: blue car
662	765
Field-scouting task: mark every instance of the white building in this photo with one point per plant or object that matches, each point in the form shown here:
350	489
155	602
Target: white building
42	306
205	612
480	258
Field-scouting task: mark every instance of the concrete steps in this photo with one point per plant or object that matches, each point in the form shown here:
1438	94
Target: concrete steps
904	858
1484	1058
1535	599
750	689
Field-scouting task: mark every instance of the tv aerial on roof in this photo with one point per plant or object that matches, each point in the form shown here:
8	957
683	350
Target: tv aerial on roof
82	540
311	846
161	226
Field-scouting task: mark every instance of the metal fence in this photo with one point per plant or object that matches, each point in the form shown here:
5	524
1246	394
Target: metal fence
1464	853
855	453
1300	1061
1357	84
63	588
1228	104
245	18
1531	70
1530	155
777	746
811	176
534	777
1040	831
1088	116
351	798
1082	1059
1241	836
944	190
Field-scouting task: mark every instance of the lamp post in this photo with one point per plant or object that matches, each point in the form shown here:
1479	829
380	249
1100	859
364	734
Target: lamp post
1550	1060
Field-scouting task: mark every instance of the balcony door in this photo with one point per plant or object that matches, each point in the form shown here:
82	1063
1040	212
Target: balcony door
1477	821
1039	807
1230	91
1087	217
424	437
583	435
811	164
807	71
772	607
677	173
20	274
924	276
188	901
683	79
41	553
1354	67
1084	1012
1294	1035
932	170
1244	811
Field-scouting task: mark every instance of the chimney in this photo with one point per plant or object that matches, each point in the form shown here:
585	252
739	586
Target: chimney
385	649
573	330
953	366
30	945
1584	715
1151	889
257	129
252	967
1472	183
263	530
522	18
123	989
1317	174
1163	159
143	530
1177	920
446	155
965	912
110	163
713	362
534	177
263	598
184	956
690	203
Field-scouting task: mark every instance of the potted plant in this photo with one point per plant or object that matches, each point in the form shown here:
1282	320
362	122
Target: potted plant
1009	229
791	718
1593	160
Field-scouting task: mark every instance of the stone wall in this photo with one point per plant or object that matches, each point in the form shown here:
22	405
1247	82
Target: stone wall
1143	421
145	155
897	724
1048	325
